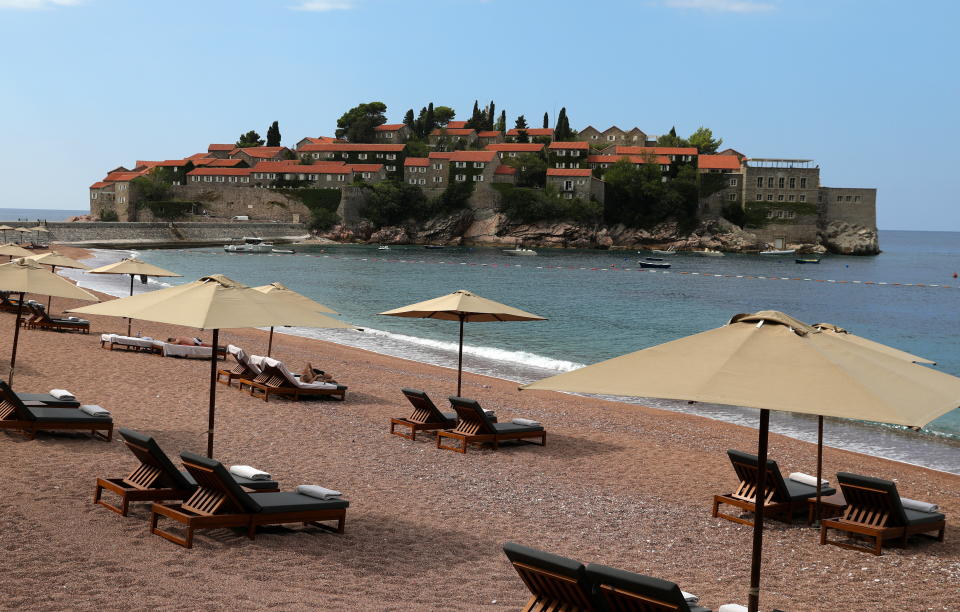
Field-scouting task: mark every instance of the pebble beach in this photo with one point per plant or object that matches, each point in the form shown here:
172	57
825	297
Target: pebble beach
622	485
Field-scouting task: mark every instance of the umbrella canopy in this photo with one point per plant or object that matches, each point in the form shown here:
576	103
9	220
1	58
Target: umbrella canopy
134	267
770	360
12	250
465	307
843	334
212	302
280	292
55	259
26	276
39	228
5	229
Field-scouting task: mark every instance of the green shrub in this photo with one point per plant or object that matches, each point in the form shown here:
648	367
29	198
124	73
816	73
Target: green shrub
109	215
453	199
170	209
322	204
393	202
323	219
533	205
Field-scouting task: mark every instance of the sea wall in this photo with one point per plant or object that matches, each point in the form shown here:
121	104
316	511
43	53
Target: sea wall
165	234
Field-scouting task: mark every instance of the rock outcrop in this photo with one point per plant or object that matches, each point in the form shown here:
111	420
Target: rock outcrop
847	239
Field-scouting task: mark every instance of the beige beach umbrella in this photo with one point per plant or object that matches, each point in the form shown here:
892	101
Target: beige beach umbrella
38	229
12	250
772	361
5	229
25	276
843	334
134	267
465	307
22	230
54	259
213	302
279	291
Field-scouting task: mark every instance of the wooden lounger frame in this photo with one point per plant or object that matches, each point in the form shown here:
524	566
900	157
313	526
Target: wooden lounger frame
10	420
272	382
154	350
239	372
145	483
551	591
867	515
745	497
473	429
620	599
423	418
42	320
213	506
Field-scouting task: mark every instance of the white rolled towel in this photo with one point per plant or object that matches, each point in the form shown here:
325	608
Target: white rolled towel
62	394
250	472
689	597
922	506
318	492
732	608
807	479
107	337
73	318
94	410
526	422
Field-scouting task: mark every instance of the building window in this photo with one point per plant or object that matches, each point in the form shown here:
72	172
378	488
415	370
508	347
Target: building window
342	177
791	214
848	198
732	182
388	135
360	156
803	197
759	182
780	214
513	154
770	214
391	156
332	155
390	168
568	196
245	179
423	181
781	182
803	183
856	198
379	155
561	152
478	178
819	197
438	166
209	179
365	175
759	197
594	137
196	179
316	156
460	178
567	185
611	137
460	164
732	197
329	177
791	197
793	183
347	155
561	165
769	182
839	198
412	181
438	179
479	164
780	198
769	197
93	196
574	153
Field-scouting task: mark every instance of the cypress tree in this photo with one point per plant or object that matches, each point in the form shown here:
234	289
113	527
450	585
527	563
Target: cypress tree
273	135
521	125
546	121
491	113
408	120
429	123
502	122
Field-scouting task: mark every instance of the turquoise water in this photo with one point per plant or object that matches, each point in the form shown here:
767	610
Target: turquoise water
600	305
39	214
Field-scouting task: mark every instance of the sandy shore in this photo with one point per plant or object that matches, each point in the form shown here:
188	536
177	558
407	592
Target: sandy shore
621	485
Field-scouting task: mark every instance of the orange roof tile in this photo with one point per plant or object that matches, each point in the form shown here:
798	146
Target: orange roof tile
220	172
569	145
317	169
568	172
439	154
366	167
259	152
531	132
388	127
456	124
719	162
416	161
634	159
625	150
99	185
452	132
213	162
124	176
283	165
349	147
528	147
472	156
505	169
221	147
489	134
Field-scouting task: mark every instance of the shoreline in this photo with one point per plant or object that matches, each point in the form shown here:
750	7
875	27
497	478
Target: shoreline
624	485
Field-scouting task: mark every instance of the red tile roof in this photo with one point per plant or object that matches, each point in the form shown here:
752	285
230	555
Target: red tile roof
283	165
351	147
99	185
634	159
366	167
452	132
199	156
719	162
220	172
489	134
213	162
259	152
321	139
416	161
472	156
531	132
505	169
569	145
624	150
456	124
124	176
568	172
439	154
316	169
526	147
221	147
388	127
167	162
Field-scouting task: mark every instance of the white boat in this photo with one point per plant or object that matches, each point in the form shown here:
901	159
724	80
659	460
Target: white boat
670	251
249	245
283	251
383	247
779	252
708	253
519	252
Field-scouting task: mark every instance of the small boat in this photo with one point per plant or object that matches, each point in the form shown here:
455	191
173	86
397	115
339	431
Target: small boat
249	245
653	258
650	263
779	252
283	251
807	260
383	247
519	252
668	251
708	253
433	246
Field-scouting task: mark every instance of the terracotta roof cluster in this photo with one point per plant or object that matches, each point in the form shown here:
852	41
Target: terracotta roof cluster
489	134
321	139
366	167
215	162
351	147
525	147
221	147
416	161
568	172
121	176
579	144
719	162
505	169
388	127
531	132
472	156
99	185
625	150
284	165
456	124
220	172
259	152
452	132
439	154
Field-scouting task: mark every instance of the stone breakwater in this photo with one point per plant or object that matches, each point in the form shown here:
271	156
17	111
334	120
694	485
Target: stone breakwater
164	234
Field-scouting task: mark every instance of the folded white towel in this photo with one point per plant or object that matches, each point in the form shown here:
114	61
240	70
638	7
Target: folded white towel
233	350
527	422
689	597
318	492
250	472
94	410
807	479
732	608
62	394
73	318
922	506
107	337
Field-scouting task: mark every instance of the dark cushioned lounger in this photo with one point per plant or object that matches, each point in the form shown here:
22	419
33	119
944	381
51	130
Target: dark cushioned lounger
616	589
874	511
784	497
477	428
556	583
45	399
220	502
14	414
156	478
425	416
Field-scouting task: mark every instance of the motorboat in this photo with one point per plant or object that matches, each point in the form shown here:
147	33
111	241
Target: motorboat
807	259
283	251
433	246
653	262
249	244
519	252
708	253
383	247
669	251
778	252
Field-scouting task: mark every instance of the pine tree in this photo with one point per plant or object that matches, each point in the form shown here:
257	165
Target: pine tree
273	135
250	139
546	121
521	127
409	121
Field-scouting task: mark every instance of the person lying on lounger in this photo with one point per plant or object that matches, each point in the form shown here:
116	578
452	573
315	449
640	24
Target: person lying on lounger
187	341
311	374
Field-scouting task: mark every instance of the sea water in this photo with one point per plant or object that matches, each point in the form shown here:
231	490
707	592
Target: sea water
600	304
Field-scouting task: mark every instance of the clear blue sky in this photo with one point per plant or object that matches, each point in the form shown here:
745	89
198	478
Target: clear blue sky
867	88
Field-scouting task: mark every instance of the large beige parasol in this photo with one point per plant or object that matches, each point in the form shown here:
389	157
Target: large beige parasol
279	291
213	302
26	276
5	229
134	267
54	259
839	332
772	361
12	250
465	307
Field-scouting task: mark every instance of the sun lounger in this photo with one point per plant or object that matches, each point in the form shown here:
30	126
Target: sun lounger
616	589
425	416
477	428
874	511
192	352
219	502
156	479
42	320
7	303
244	368
556	583
276	379
37	400
781	497
130	343
14	414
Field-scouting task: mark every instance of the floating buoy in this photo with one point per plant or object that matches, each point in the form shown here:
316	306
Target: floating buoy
954	275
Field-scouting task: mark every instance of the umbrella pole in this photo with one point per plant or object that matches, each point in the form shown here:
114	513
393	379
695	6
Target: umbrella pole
270	342
53	270
129	320
753	602
16	336
213	390
816	511
460	358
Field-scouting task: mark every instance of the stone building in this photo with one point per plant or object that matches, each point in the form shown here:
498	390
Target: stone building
475	166
234	177
316	140
392	133
515	149
613	136
254	155
573	183
541	133
725	172
415	170
488	137
449	139
220	151
390	155
567	154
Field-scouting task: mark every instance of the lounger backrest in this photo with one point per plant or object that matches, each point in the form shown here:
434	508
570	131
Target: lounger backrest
210	474
10	400
616	589
746	467
424	410
559	580
472	416
876	494
146	449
